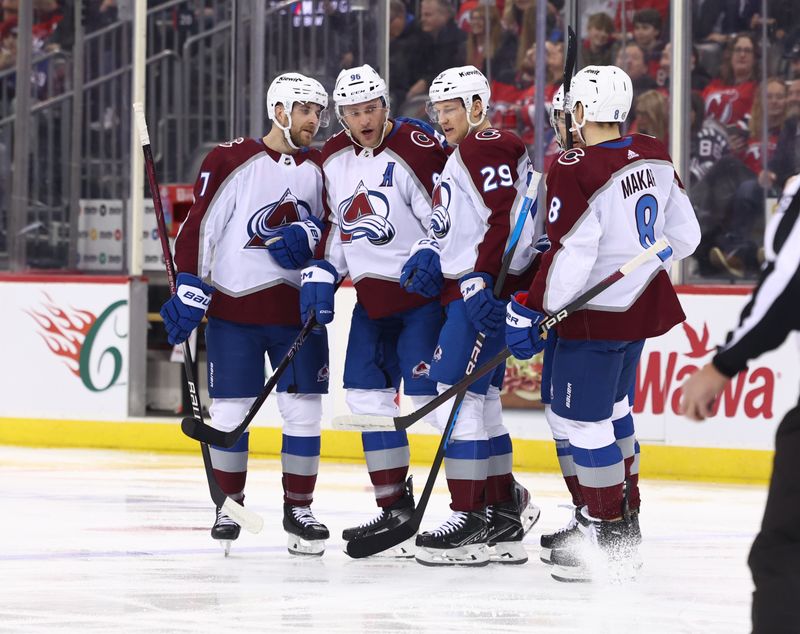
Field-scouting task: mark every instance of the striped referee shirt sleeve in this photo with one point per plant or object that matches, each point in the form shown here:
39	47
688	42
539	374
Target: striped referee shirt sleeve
774	308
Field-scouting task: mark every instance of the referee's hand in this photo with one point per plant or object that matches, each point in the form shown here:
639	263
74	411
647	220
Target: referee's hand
700	391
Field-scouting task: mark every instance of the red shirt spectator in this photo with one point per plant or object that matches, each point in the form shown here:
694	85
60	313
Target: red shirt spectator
729	99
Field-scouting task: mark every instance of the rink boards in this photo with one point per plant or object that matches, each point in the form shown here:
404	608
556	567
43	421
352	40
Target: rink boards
76	377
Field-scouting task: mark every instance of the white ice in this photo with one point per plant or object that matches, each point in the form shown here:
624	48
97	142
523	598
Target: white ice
106	541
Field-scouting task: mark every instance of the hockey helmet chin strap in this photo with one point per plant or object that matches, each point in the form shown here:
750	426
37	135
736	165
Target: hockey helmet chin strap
287	128
352	138
287	134
577	127
468	107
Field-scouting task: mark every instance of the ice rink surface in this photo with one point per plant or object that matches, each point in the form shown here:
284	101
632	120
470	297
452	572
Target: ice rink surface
106	541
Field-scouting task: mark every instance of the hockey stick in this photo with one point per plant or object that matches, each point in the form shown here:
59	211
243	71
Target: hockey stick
386	423
372	544
194	427
238	513
569	69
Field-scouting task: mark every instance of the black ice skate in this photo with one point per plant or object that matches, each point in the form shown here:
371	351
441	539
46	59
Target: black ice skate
609	549
306	535
390	517
528	512
225	530
505	533
460	541
564	538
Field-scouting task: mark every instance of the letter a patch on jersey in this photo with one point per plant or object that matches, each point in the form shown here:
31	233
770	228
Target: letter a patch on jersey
388	175
365	215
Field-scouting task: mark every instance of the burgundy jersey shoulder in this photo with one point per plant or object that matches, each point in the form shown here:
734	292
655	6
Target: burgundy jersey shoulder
337	142
491	147
227	156
309	154
590	168
422	153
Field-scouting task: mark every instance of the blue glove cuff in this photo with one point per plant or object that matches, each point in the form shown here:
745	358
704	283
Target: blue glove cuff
193	291
473	283
319	271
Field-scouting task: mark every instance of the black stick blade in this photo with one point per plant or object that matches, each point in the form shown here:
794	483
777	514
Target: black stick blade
374	544
201	432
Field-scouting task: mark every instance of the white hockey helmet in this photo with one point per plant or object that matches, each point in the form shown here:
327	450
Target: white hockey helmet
459	82
291	88
557	106
606	93
358	85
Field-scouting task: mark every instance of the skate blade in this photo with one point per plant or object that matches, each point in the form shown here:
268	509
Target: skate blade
462	556
405	550
305	547
529	516
571	574
607	572
226	545
510	553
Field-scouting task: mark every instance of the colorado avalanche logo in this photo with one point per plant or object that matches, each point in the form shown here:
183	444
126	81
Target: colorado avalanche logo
440	219
266	220
365	215
421	370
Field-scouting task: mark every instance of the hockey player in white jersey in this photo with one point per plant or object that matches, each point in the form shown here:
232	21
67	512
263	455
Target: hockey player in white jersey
379	176
606	202
250	192
475	206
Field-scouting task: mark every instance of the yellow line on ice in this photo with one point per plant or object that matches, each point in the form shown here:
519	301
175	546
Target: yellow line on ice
658	461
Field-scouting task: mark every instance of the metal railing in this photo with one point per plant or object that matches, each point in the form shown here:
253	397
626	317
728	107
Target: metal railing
208	66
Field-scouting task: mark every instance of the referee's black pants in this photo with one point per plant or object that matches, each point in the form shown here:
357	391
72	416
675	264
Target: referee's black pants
775	556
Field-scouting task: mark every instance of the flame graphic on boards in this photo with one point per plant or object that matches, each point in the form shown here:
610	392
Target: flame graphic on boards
64	332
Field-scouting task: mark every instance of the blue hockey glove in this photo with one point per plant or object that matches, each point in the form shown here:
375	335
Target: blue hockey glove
522	328
422	272
317	285
184	311
484	310
297	242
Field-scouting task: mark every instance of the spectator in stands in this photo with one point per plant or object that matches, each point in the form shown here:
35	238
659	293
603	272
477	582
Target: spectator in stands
519	17
514	15
8	45
709	141
708	21
502	49
793	98
647	34
407	44
651	115
599	41
729	99
8	10
776	116
786	160
632	7
631	59
699	78
554	64
447	45
738	252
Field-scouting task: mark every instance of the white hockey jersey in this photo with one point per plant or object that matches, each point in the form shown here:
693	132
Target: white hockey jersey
606	203
378	204
243	193
475	208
